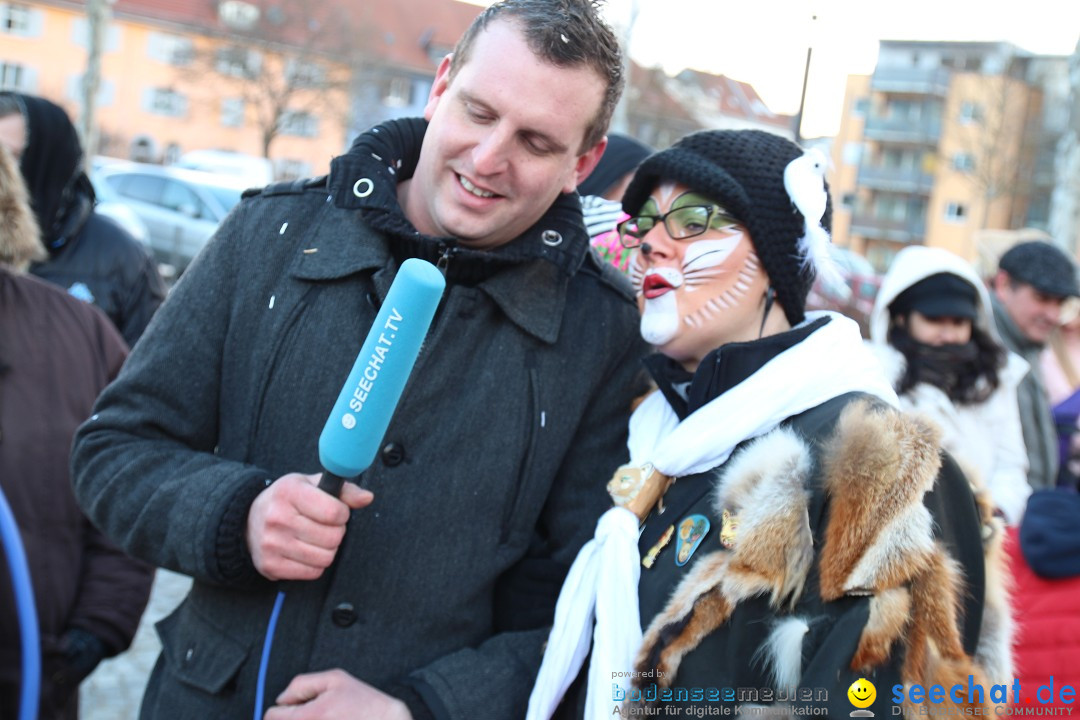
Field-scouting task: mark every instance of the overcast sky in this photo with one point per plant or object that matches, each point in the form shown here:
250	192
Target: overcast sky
764	42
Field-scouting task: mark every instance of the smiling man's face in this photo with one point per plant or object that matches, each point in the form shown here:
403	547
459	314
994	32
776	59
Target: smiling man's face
504	140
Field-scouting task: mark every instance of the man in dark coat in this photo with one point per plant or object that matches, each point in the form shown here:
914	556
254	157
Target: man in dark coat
89	255
1033	280
430	598
56	354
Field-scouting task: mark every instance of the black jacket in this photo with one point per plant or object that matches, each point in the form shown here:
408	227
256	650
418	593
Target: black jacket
101	262
494	463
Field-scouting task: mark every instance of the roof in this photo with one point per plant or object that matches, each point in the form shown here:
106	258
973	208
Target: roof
733	98
415	35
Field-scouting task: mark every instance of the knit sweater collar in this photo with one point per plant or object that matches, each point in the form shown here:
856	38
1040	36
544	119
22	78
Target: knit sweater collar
366	178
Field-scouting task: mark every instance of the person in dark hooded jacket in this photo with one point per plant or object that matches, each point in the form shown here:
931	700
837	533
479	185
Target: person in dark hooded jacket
56	354
89	255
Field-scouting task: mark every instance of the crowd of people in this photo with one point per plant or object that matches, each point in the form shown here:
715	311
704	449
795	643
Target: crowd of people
790	506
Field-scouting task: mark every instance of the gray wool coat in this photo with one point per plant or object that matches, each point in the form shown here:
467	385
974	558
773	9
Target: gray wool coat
495	462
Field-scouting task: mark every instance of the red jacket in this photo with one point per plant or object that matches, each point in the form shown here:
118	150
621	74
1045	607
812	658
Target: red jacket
1048	630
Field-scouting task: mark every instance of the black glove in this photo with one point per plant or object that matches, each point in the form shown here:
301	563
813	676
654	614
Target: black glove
82	653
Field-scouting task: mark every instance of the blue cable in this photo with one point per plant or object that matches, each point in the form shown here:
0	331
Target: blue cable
264	661
24	605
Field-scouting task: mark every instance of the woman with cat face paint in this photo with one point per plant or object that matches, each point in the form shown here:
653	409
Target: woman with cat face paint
780	531
932	328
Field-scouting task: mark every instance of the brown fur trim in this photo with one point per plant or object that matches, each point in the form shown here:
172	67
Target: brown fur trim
710	612
765	486
994	652
878	465
20	240
668	627
889	614
935	654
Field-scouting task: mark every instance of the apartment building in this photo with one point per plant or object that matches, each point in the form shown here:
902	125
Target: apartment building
292	80
944	140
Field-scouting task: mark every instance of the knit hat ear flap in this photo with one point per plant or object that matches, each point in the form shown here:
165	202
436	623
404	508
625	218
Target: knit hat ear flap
743	170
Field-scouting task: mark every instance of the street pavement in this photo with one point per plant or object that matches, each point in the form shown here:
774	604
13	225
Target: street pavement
113	691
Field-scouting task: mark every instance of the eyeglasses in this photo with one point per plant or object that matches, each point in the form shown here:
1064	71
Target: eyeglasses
681	223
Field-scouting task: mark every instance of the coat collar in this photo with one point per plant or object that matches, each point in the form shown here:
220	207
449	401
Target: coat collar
332	252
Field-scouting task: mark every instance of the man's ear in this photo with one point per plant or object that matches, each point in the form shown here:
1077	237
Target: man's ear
998	282
586	163
442	81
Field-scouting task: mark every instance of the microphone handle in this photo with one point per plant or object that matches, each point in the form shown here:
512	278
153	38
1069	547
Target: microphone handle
332	484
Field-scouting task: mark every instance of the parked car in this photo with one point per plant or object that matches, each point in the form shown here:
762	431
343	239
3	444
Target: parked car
180	208
112	207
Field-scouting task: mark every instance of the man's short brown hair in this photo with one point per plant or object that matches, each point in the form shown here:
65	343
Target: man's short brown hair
565	33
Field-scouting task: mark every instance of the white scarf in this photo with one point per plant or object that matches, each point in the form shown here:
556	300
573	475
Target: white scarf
831	361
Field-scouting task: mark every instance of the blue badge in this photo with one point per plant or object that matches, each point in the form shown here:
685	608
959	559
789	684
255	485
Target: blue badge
692	530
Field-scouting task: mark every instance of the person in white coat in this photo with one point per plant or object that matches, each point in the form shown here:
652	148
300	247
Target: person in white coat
933	330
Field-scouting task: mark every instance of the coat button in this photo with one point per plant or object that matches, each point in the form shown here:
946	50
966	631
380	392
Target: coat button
344	615
393	454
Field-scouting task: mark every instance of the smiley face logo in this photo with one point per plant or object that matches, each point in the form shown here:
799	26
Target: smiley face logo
862	693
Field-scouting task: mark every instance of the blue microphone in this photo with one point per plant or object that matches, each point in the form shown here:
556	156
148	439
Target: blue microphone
357	423
356	426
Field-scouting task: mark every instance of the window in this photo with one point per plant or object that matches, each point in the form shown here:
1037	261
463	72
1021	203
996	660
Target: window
304	73
163	101
861	108
232	112
144	188
238	15
291	169
963	162
238	62
970	112
15	19
12	76
955	212
398	92
170	49
176	196
172	153
847	201
852	153
300	124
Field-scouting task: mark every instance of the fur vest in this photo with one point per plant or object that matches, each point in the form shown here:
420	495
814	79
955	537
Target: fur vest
856	549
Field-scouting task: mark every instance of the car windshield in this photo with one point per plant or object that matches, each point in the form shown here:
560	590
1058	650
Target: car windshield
228	197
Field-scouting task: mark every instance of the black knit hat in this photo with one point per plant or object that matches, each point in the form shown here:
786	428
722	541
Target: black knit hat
1043	266
743	170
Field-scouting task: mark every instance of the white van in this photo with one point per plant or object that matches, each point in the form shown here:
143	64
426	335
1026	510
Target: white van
254	171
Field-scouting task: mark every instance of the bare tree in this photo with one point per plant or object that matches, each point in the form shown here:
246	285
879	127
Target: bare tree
291	65
995	141
97	21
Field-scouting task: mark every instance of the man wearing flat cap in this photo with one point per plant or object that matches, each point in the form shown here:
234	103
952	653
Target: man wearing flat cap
1033	280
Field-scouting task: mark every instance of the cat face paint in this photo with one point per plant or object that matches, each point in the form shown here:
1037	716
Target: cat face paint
696	293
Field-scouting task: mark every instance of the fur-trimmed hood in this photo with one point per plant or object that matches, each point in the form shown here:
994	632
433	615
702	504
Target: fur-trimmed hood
20	239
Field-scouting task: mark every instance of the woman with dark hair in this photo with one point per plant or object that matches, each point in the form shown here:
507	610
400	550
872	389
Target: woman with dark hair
932	328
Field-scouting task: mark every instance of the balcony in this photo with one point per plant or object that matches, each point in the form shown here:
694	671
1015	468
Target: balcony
908	231
892	179
903	130
912	81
